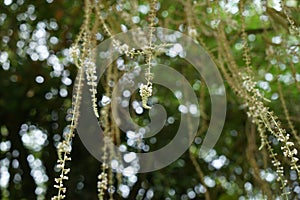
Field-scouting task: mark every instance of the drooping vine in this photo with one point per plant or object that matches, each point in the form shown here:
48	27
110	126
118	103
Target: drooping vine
239	78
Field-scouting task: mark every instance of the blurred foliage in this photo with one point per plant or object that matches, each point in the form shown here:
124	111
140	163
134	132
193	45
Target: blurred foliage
36	86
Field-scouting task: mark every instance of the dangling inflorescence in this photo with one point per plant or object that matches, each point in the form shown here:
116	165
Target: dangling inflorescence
83	55
239	78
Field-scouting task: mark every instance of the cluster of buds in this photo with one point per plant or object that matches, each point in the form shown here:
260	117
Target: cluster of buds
90	70
65	149
145	92
102	184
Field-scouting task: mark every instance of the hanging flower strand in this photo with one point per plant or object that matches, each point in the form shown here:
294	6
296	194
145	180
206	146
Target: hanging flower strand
64	148
146	90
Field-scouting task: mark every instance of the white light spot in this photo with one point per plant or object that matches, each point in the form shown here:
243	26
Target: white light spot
120	64
297	189
132	179
248	186
183	109
164	13
139	110
34	56
143	9
34	140
6	65
128	171
264	85
276	39
5	146
251	37
150	194
178	48
234	9
135	104
211	154
53	25
130	134
129	157
4	178
63	92
40	33
124	28
53	40
269	77
274	96
178	94
66	80
7	2
3	57
105	100
219	163
122	148
270	177
171	120
193	109
39	79
171	53
209	182
124	103
124	190
135	19
126	93
191	194
114	164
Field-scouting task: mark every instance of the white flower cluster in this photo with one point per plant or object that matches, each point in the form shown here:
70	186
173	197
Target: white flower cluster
74	53
90	71
102	184
64	149
145	92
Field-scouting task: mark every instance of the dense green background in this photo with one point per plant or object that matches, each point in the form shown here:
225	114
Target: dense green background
27	106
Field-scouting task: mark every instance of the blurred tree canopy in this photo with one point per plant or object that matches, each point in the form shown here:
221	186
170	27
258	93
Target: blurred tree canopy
38	75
